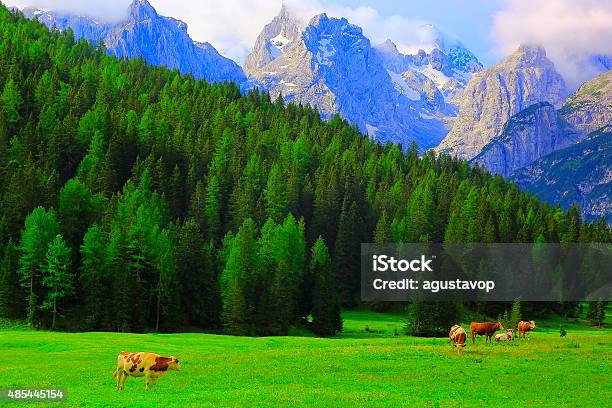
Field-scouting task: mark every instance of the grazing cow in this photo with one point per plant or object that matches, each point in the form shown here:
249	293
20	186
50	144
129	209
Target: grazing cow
486	329
507	336
524	327
458	336
148	365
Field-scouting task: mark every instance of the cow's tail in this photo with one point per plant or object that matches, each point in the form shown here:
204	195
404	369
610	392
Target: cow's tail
116	372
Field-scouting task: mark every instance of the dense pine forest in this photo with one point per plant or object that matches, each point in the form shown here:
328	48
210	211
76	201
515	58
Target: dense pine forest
135	199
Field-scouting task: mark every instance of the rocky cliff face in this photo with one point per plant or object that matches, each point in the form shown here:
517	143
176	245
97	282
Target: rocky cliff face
540	129
143	33
495	94
275	37
580	173
449	65
527	136
332	66
590	108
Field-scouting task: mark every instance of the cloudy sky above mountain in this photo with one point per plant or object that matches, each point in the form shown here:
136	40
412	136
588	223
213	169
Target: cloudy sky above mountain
568	29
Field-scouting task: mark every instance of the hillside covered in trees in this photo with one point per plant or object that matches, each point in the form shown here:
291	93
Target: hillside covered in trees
133	198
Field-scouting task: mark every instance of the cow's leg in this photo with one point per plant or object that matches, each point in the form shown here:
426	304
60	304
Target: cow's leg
117	376
147	379
153	381
125	374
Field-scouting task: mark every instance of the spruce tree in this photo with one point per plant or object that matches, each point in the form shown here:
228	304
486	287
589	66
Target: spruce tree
212	207
10	103
515	313
326	320
94	277
56	276
431	319
276	195
41	227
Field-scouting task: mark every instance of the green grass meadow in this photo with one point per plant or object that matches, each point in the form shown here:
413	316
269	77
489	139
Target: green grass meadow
360	367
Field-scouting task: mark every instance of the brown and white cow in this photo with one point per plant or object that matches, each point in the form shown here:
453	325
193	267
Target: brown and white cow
148	365
486	329
458	336
524	327
507	336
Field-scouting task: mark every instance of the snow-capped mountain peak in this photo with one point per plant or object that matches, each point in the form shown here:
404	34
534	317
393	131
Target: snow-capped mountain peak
330	64
274	39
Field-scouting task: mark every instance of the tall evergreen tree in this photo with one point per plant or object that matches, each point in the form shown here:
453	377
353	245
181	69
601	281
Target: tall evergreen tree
41	227
56	276
94	277
326	320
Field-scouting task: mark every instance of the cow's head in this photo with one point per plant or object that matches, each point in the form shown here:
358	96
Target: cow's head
174	364
510	331
498	326
532	324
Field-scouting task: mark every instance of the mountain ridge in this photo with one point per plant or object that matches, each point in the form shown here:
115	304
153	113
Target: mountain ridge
160	40
495	94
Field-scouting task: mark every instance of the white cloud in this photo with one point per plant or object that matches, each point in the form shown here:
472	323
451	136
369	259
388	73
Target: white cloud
569	30
106	10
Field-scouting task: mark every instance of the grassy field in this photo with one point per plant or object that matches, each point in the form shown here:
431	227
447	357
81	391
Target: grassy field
373	366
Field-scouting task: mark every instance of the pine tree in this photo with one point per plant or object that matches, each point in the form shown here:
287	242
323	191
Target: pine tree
78	209
326	320
11	292
288	250
196	272
167	309
10	103
515	313
212	208
346	256
597	312
239	274
41	227
431	319
56	275
276	195
94	277
382	233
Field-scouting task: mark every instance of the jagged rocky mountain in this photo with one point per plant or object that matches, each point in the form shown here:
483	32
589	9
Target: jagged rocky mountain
540	129
283	30
590	108
330	64
449	65
143	33
580	173
527	136
495	94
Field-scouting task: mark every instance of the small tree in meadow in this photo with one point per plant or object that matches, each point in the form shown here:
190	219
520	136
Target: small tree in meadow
515	312
597	312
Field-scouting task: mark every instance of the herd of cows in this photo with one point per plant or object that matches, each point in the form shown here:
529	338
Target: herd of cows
458	336
152	366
